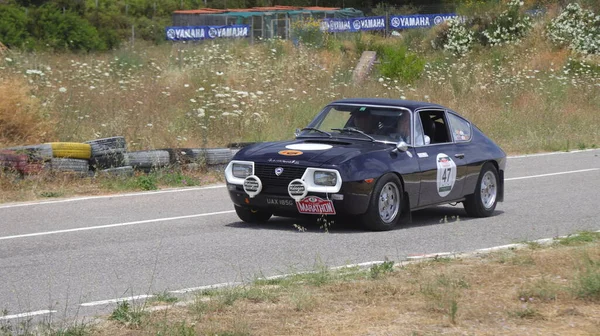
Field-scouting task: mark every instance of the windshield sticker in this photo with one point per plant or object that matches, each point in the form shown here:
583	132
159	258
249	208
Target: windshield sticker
290	152
446	174
309	146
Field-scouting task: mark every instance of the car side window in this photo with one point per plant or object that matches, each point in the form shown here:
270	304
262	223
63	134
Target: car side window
435	126
461	129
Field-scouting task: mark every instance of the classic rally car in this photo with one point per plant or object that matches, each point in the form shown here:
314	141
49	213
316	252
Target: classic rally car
372	160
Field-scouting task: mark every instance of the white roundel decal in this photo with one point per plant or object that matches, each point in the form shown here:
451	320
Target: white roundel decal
446	174
309	146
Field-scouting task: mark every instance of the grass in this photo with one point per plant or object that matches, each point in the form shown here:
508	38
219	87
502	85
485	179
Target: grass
557	293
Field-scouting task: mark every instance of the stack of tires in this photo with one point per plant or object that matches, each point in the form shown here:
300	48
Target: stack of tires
109	156
72	157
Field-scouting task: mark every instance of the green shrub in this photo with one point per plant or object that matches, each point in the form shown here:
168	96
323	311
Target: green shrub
13	26
308	32
455	37
509	26
398	63
576	28
64	30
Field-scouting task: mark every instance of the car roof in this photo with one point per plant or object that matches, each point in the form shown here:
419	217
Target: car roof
409	104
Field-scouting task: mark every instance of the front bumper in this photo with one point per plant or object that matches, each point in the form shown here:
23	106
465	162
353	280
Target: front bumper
352	199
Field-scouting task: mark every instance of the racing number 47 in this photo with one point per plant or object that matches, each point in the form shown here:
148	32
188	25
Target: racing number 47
446	175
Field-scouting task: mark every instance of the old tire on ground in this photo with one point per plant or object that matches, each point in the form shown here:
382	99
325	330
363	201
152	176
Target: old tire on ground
149	159
107	146
483	201
112	160
385	205
252	216
67	165
43	151
125	171
72	150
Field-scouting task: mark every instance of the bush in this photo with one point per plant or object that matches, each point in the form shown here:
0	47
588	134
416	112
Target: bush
397	62
576	28
13	26
64	30
308	31
455	38
508	27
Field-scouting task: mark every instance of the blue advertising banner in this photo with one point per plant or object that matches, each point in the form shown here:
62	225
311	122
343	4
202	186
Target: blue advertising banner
418	21
206	32
353	25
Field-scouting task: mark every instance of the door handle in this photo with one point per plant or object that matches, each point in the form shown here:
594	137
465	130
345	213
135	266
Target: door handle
459	156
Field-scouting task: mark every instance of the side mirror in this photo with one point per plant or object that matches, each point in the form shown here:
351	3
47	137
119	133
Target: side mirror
401	146
297	132
427	140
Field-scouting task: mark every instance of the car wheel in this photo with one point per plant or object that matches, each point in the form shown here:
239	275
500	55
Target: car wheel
483	202
252	216
385	205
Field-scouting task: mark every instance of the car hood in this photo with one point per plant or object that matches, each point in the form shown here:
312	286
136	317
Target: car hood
309	152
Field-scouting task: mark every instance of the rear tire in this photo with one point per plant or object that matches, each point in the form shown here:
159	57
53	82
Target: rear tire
385	205
483	201
252	216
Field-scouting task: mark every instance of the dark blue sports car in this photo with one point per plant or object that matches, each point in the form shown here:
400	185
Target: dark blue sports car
374	160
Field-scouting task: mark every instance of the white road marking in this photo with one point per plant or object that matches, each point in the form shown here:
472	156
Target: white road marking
157	192
199	288
116	225
552	174
551	153
29	314
103	302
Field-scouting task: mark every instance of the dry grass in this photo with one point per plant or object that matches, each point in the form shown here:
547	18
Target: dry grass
416	299
21	116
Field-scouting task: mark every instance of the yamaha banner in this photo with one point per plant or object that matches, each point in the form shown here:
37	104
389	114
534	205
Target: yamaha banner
206	32
353	25
418	21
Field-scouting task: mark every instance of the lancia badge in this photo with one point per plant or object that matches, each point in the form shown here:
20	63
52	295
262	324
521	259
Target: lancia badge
278	171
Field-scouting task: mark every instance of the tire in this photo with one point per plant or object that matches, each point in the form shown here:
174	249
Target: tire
148	159
125	171
385	205
67	165
43	151
252	216
215	156
72	150
483	201
113	160
107	146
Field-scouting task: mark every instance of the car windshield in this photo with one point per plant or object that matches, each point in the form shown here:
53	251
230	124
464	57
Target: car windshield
367	123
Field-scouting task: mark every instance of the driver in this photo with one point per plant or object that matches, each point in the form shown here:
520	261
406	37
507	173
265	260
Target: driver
363	121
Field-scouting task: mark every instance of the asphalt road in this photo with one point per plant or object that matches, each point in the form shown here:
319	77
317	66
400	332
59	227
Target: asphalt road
71	257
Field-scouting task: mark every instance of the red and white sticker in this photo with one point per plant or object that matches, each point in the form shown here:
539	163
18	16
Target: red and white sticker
315	205
446	174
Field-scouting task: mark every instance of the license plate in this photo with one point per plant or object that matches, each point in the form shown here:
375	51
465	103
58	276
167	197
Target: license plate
280	201
315	206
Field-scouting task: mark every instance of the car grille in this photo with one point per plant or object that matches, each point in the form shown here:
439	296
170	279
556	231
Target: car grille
273	184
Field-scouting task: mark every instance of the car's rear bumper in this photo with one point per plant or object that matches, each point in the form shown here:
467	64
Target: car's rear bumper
345	202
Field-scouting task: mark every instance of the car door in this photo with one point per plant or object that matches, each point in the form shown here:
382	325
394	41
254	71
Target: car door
441	162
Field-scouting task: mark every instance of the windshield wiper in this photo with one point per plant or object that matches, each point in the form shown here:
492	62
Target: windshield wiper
316	129
353	130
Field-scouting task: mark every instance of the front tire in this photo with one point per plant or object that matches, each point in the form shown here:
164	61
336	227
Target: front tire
385	205
252	216
483	202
